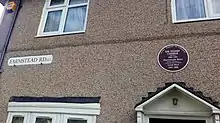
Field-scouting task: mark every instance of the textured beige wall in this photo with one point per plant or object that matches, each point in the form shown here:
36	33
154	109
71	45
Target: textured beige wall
120	73
114	59
109	21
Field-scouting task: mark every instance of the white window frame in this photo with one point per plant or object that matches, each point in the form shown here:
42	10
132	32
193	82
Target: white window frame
55	117
12	114
78	117
210	15
142	117
64	7
207	120
59	112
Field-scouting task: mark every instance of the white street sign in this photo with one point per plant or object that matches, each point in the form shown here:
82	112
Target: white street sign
30	60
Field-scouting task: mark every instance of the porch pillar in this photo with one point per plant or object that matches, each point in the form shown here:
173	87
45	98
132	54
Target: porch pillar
140	117
216	118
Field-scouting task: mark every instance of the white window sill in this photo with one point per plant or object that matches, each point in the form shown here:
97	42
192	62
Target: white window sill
195	20
58	34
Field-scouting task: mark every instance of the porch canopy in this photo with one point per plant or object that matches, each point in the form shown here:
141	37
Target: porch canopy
175	101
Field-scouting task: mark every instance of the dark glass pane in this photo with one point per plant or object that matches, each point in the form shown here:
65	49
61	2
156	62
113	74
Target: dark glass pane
73	2
56	2
17	119
43	120
157	120
75	19
53	21
190	9
76	121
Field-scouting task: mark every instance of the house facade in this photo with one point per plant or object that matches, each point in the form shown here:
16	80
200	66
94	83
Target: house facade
104	61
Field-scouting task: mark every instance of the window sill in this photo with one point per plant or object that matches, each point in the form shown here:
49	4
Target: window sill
195	20
52	34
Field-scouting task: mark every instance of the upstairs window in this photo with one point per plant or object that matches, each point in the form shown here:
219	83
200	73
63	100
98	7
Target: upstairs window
63	17
195	10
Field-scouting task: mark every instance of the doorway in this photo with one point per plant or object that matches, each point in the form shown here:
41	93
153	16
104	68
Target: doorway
157	120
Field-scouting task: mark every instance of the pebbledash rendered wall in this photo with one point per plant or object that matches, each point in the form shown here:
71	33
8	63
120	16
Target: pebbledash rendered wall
116	58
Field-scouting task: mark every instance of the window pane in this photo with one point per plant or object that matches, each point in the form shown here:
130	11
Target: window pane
216	6
53	21
75	19
72	2
17	119
43	120
76	121
190	9
56	2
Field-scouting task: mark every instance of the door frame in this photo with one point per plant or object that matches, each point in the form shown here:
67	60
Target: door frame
207	120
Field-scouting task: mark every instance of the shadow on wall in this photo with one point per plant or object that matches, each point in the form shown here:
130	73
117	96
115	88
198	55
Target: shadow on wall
8	17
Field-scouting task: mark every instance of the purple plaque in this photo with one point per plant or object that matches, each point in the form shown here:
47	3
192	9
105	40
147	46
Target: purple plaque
173	58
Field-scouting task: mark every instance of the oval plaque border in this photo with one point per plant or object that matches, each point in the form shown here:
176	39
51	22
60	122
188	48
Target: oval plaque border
173	71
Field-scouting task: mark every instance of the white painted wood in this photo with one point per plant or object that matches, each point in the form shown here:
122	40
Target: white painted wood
195	97
11	115
181	117
140	107
185	105
175	86
63	20
194	20
216	118
189	106
43	18
56	117
146	119
57	34
71	108
56	110
30	60
177	113
93	119
140	117
206	8
210	9
55	105
77	5
173	10
59	112
86	18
